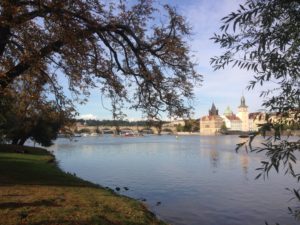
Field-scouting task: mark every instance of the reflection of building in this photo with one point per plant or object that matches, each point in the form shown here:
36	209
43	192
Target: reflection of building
214	157
243	114
211	124
244	160
232	122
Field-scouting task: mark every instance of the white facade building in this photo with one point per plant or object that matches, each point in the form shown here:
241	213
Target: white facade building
243	114
232	122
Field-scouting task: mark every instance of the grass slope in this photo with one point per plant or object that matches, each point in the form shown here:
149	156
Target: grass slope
33	190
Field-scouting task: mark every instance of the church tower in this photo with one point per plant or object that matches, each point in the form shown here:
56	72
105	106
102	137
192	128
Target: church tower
213	111
212	123
243	114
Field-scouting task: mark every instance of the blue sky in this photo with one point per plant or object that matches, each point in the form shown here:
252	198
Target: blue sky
223	87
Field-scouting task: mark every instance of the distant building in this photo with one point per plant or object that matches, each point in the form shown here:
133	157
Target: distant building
232	122
256	119
243	114
242	121
211	124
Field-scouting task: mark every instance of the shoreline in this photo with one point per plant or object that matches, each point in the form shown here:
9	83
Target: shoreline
34	190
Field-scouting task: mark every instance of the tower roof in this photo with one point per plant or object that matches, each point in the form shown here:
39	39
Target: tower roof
213	107
213	111
243	102
228	111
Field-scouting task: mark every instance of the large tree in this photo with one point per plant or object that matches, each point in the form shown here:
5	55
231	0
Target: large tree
136	52
264	37
27	112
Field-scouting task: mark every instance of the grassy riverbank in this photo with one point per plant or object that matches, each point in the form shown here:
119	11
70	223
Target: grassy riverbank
33	190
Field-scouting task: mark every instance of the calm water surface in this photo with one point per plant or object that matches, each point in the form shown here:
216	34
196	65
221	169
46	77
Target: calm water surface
197	179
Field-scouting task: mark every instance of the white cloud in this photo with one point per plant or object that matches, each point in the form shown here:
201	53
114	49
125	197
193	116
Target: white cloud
88	117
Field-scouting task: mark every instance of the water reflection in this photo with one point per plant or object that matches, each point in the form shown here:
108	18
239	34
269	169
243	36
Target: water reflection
227	156
214	157
245	160
198	180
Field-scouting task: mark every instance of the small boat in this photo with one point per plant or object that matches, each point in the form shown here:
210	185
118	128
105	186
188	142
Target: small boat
127	134
244	136
61	135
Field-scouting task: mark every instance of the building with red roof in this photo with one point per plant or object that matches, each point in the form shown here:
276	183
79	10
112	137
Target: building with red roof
232	122
211	124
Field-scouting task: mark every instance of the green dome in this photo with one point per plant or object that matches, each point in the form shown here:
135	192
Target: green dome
228	111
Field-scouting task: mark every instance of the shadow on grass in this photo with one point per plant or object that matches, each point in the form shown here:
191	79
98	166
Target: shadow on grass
35	166
23	149
95	220
14	205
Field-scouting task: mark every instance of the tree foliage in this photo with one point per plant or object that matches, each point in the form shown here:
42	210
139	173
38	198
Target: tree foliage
223	129
113	46
263	37
27	112
190	125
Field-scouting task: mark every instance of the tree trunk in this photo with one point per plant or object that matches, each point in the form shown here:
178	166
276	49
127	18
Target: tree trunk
15	141
5	33
22	140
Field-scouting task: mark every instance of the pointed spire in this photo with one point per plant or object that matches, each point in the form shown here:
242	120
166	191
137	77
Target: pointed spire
243	102
213	107
213	111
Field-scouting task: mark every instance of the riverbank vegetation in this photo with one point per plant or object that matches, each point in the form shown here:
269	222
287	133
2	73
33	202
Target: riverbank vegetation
35	191
190	125
263	37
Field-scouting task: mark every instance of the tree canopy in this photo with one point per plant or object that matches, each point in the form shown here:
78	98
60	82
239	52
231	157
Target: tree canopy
26	112
263	37
124	50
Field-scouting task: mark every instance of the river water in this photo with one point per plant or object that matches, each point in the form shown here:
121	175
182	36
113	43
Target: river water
186	180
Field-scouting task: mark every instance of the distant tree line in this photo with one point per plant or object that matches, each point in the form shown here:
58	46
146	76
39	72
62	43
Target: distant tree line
190	125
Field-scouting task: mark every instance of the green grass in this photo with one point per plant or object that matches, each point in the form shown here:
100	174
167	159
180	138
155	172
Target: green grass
33	190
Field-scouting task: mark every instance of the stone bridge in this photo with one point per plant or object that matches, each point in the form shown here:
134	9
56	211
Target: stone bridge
112	129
